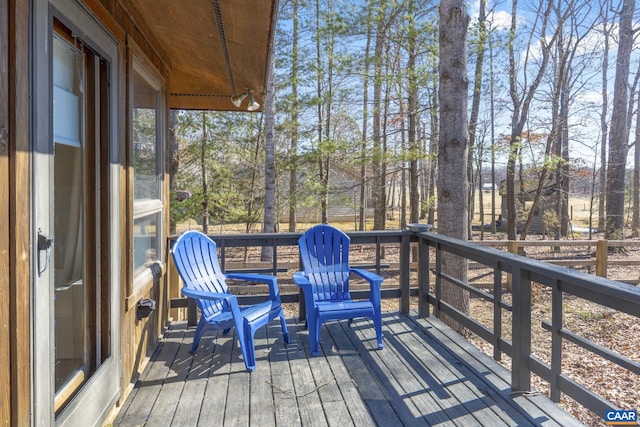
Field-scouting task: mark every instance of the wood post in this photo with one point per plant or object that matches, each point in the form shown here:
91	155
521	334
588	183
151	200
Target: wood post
513	248
602	253
405	249
520	371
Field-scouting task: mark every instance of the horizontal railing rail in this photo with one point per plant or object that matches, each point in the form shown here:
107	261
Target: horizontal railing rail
524	272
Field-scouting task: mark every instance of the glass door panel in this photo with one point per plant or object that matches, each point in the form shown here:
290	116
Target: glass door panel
71	317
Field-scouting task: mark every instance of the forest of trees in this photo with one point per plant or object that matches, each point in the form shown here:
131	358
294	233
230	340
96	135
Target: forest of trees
549	89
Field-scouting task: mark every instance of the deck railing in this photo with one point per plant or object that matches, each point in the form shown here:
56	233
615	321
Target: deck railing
412	265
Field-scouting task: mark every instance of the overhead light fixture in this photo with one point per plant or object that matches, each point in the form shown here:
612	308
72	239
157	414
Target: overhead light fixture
253	104
236	100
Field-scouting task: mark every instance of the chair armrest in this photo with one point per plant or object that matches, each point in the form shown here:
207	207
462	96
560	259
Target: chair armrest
230	299
271	281
370	277
211	296
300	279
376	284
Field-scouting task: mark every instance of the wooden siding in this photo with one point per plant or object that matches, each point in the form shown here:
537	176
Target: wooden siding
17	181
425	375
5	354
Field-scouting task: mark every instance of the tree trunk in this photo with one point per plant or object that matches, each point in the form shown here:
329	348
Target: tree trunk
475	108
635	220
205	185
379	192
293	147
604	125
453	146
618	137
269	224
365	121
412	106
173	160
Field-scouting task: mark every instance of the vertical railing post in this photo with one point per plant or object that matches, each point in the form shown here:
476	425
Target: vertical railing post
513	248
521	318
423	277
497	313
556	340
405	250
274	263
438	280
302	310
602	253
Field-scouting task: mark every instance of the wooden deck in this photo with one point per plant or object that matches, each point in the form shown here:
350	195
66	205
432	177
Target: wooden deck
425	375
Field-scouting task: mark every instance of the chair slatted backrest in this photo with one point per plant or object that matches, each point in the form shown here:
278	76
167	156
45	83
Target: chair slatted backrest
196	260
324	251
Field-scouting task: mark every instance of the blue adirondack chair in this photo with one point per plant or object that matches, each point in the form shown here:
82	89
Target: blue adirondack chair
196	260
324	251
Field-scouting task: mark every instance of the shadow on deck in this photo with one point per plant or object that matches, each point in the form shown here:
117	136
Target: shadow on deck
425	375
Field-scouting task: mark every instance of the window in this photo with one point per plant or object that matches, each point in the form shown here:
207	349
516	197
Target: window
146	158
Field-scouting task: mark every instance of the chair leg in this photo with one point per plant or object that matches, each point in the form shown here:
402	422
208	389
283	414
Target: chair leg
285	331
248	349
314	337
198	334
378	325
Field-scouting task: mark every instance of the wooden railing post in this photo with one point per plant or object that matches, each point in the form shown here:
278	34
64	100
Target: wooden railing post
423	277
521	318
405	249
513	248
602	254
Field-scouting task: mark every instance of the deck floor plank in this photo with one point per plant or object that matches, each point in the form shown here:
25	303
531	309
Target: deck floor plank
439	369
533	406
306	390
261	407
168	398
286	406
188	411
215	393
151	381
373	388
425	375
236	411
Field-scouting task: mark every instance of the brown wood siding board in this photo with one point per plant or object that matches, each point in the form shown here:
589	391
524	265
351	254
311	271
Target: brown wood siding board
5	247
19	224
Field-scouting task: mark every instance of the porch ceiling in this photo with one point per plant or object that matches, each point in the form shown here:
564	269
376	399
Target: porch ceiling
193	34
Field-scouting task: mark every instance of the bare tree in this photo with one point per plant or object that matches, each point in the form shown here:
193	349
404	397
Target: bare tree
522	93
453	145
293	147
619	136
173	161
475	108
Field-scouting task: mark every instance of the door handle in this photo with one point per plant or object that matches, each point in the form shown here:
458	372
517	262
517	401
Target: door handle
44	244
